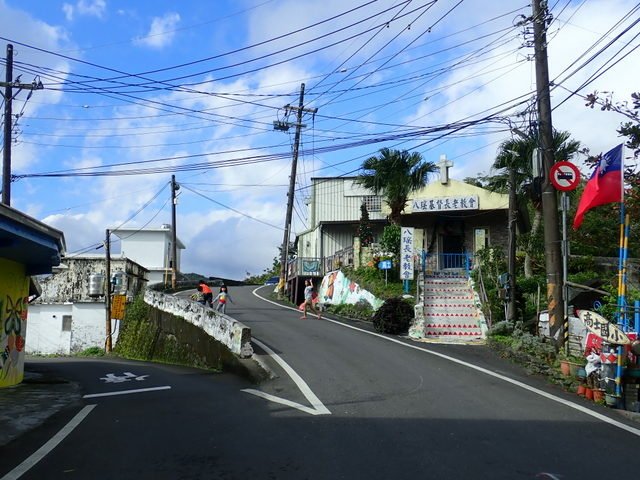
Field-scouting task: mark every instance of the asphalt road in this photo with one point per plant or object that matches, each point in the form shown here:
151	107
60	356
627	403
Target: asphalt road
346	404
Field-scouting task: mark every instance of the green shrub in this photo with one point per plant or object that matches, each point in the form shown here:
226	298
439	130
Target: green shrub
581	263
394	316
361	310
372	280
137	335
501	329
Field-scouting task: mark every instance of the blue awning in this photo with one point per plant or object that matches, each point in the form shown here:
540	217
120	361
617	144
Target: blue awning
30	242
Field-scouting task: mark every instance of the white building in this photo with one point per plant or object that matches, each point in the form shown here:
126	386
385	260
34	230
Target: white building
151	248
69	316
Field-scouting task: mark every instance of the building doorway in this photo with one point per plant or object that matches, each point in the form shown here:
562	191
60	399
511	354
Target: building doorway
452	251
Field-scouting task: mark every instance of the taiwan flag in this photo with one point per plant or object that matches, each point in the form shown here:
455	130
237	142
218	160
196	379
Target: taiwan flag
604	186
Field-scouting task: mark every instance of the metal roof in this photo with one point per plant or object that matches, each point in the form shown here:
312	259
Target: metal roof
25	240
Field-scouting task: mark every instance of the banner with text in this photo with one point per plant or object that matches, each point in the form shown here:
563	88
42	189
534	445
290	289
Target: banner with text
406	254
440	204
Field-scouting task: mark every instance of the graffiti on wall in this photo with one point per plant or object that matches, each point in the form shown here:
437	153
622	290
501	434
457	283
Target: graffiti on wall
337	289
14	288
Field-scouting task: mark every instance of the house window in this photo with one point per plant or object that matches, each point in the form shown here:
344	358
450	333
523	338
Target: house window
66	323
373	203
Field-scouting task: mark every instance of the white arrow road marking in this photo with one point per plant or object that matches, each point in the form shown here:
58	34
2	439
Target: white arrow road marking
50	445
126	377
125	392
317	407
284	401
549	396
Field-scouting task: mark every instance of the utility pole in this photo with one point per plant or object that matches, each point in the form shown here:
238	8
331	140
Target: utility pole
511	306
549	199
107	293
8	125
8	85
174	247
284	126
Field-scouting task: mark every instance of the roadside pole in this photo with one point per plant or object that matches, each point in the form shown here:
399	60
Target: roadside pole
8	95
565	268
553	261
284	126
107	293
564	177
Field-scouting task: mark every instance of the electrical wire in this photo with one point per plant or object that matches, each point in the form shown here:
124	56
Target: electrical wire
233	209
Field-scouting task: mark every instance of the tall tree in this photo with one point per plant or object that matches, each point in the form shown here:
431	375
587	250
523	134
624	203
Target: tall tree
395	174
364	227
516	153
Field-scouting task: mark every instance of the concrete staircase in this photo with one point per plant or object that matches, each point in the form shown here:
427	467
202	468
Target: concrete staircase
448	309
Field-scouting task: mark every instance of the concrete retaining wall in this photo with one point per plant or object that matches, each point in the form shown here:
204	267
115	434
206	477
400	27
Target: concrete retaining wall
233	334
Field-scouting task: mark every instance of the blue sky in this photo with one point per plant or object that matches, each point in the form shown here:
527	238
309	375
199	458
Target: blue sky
192	88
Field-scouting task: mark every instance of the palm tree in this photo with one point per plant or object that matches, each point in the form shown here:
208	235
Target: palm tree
395	174
516	154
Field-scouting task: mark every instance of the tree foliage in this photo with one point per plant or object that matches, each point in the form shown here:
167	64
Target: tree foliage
395	174
394	316
390	242
364	227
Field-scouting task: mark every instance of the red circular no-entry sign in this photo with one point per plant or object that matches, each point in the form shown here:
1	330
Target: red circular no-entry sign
565	176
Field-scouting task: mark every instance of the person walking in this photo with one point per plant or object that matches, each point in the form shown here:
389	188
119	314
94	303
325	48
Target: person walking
207	293
222	299
309	297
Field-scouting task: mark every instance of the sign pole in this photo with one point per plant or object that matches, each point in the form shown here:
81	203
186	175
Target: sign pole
565	177
565	257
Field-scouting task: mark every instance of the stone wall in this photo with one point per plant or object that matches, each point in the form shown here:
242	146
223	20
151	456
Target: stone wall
231	333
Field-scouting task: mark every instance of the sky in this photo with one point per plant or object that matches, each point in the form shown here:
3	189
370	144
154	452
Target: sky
134	92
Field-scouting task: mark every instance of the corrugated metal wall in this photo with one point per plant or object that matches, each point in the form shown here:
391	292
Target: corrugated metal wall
339	199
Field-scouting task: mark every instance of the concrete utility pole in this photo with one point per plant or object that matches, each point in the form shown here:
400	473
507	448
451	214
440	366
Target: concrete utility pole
8	85
107	293
284	126
174	237
549	199
511	305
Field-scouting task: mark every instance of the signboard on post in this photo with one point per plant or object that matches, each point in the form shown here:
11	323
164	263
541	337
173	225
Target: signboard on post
384	265
406	253
117	306
565	176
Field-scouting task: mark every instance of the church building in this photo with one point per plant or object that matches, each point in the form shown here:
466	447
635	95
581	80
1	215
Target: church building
451	219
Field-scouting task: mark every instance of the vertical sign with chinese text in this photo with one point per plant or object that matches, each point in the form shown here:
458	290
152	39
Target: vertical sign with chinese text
406	254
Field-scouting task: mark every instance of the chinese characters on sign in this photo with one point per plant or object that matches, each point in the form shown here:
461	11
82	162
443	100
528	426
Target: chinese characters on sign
439	204
602	328
406	254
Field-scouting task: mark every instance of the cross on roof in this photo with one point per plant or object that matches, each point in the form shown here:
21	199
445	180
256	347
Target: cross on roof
444	166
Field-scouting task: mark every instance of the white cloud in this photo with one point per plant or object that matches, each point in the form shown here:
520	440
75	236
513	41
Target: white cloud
67	8
161	33
95	8
223	242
